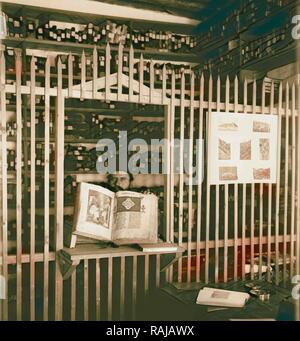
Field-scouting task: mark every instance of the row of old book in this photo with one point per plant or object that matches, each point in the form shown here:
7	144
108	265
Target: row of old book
255	31
238	19
91	33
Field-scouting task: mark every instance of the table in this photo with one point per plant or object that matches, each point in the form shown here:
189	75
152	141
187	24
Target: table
177	303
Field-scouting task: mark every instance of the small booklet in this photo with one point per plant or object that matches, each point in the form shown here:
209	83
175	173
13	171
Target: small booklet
159	247
222	298
124	217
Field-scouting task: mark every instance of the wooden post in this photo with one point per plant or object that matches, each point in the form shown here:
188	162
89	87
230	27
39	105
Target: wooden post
134	286
261	198
226	199
157	271
73	295
97	285
83	76
141	79
46	189
171	151
146	275
277	217
244	203
4	210
181	179
297	305
122	288
107	72
252	223
19	182
32	188
217	215
164	84
172	134
59	186
151	95
286	180
235	246
208	187
167	178
120	70
199	187
95	72
85	289
131	73
70	75
109	292
293	183
270	199
190	177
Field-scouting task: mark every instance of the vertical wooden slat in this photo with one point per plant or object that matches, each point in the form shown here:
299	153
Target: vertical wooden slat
252	219
109	292
97	286
244	195
217	218
32	188
146	274
226	199
235	251
122	289
151	97
167	172
19	182
293	182
164	84
261	197
170	200
141	79
199	187
59	186
46	189
73	296
172	134
107	72
86	290
70	75
83	75
157	271
134	286
286	180
297	306
190	189
95	72
207	227
270	199
131	71
3	211
120	70
277	216
181	178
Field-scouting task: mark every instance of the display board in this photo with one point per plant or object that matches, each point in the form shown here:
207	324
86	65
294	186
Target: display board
242	148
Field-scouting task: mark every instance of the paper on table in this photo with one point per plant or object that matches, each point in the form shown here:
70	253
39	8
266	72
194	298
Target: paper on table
222	298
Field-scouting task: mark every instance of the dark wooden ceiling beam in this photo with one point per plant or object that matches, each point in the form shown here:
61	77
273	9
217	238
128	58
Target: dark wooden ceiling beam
184	8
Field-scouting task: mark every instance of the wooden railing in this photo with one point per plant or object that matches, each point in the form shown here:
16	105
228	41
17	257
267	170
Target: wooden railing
223	227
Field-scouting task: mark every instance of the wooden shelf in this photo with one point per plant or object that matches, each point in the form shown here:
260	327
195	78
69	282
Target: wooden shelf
68	47
70	258
113	113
